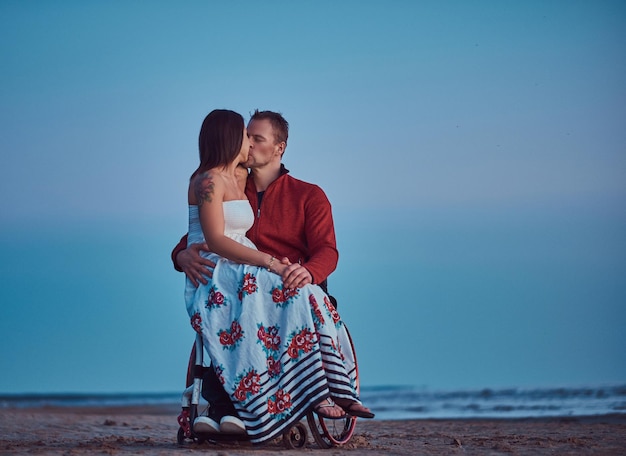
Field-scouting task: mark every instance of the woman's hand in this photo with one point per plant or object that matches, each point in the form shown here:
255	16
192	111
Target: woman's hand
280	267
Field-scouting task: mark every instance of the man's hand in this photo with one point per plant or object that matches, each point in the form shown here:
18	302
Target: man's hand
295	275
193	265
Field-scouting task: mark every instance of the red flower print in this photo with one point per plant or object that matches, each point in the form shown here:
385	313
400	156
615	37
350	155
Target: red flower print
215	299
290	293
279	404
278	296
283	400
282	296
271	407
249	285
249	384
301	342
240	395
196	322
332	310
225	338
274	367
292	351
235	330
269	337
319	318
230	337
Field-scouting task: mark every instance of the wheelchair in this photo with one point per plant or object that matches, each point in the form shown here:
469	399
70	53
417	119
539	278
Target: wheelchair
325	432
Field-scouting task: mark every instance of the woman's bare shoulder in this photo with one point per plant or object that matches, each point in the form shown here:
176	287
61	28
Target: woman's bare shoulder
204	187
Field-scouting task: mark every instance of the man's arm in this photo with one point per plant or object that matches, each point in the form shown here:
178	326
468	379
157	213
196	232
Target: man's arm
182	245
188	260
320	237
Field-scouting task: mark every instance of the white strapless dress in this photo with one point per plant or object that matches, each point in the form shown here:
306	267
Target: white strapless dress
277	351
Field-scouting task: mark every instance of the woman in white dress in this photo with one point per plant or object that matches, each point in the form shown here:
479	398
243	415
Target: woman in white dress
279	352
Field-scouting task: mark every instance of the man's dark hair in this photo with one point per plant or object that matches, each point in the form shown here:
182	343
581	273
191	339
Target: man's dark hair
279	124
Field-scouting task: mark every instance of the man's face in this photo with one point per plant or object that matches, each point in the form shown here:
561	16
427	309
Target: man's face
263	146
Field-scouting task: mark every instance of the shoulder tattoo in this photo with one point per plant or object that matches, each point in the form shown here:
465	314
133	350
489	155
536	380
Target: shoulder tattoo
204	188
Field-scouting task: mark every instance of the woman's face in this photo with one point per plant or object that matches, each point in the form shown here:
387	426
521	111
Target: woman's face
245	147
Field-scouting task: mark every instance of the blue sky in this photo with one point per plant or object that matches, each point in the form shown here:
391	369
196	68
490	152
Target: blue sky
474	153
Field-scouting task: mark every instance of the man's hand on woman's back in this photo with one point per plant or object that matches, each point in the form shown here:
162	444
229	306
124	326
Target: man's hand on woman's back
195	266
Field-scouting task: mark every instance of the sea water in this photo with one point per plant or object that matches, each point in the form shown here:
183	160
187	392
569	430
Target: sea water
396	402
405	403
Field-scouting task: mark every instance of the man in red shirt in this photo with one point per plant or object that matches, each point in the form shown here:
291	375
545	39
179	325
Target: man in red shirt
293	218
293	221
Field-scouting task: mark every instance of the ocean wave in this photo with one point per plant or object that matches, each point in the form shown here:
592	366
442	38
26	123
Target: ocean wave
495	403
399	402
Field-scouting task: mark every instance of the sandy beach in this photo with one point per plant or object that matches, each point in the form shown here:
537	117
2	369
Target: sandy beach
152	431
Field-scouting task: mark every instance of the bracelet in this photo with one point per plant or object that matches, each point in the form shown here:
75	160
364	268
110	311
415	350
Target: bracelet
269	267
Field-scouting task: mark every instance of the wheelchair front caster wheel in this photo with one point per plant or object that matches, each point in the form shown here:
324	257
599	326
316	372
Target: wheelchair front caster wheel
295	437
180	437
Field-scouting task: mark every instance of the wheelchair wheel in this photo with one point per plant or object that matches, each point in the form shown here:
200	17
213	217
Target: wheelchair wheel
180	436
190	412
295	437
328	433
